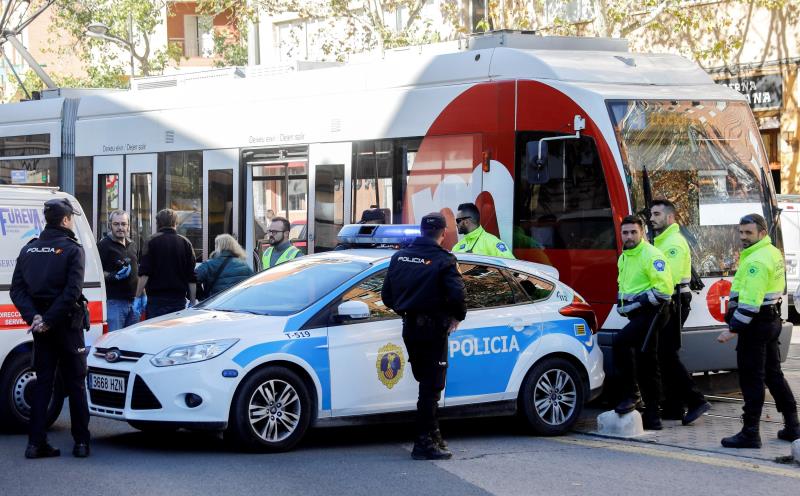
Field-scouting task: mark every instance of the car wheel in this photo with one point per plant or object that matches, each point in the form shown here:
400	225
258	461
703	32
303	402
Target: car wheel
16	380
154	427
271	411
552	396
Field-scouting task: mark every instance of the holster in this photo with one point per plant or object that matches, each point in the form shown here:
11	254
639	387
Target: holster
80	319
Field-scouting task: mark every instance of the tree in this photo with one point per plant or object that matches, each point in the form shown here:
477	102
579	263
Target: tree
343	26
131	26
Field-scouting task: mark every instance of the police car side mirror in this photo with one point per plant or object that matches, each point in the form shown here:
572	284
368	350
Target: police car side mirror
352	310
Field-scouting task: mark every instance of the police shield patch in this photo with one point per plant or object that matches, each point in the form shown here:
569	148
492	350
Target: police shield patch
502	246
659	265
390	364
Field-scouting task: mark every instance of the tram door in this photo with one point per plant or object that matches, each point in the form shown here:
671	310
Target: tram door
108	190
220	196
278	187
328	195
140	199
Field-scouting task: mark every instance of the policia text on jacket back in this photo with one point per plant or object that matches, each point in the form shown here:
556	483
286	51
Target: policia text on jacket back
645	288
47	290
754	317
423	286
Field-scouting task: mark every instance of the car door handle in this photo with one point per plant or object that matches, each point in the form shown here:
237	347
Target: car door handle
518	325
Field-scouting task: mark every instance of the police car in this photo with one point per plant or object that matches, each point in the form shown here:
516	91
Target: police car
309	342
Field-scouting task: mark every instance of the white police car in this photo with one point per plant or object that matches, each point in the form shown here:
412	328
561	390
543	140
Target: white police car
309	342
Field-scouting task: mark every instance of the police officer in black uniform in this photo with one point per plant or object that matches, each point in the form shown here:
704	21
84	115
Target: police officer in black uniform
46	289
423	285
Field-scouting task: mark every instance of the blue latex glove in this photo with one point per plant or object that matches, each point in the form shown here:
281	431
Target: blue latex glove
123	273
139	304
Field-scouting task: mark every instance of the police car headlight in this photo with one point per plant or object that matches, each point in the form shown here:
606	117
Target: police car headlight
190	353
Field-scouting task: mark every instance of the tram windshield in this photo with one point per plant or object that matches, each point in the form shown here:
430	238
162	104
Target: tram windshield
704	156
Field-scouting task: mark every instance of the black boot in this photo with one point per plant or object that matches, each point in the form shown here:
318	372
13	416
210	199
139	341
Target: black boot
791	430
696	412
436	437
625	406
41	451
749	436
426	449
651	420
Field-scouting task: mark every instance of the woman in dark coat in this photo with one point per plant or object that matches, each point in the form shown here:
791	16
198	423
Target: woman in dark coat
225	268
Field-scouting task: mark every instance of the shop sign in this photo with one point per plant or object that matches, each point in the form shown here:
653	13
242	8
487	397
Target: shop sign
761	92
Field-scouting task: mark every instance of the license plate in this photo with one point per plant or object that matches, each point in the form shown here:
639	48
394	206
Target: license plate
108	383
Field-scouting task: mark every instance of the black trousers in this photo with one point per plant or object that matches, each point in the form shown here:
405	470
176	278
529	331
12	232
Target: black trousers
759	361
62	350
679	388
426	342
634	366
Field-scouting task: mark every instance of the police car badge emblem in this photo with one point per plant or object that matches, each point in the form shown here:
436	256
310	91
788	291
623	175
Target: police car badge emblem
390	364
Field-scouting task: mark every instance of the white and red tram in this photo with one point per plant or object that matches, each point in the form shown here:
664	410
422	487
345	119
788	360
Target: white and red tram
424	131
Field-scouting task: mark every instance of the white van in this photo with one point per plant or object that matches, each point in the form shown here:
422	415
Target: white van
790	227
21	219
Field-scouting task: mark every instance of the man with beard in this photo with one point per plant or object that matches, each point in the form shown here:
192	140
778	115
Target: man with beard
679	388
281	249
645	289
754	315
476	240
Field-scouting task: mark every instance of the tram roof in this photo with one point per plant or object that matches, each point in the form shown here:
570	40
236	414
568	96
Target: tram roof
599	71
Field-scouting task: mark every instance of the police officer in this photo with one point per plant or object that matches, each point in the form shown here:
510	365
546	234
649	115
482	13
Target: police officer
281	249
476	239
423	285
679	388
754	316
645	288
46	289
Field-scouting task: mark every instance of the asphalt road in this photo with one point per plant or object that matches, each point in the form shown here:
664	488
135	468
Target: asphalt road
491	457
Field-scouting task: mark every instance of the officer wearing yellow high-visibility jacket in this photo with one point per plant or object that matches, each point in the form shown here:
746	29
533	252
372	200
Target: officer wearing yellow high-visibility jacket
645	287
476	240
679	388
281	249
754	316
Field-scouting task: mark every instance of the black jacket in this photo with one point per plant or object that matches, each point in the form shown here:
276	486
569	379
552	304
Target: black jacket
48	277
113	256
169	264
424	279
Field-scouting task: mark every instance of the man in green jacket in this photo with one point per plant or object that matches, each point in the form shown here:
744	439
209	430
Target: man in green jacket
281	249
645	288
679	388
754	316
476	239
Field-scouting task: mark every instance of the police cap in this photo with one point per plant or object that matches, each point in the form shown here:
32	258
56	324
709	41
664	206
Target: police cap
59	208
433	222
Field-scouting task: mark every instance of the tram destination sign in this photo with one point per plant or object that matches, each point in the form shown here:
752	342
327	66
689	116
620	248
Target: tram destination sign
762	92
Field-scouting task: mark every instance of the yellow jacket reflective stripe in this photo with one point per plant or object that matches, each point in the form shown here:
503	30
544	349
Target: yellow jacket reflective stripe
481	242
288	254
676	250
642	271
759	280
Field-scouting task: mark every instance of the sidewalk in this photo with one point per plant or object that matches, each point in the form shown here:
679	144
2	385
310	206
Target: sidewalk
723	419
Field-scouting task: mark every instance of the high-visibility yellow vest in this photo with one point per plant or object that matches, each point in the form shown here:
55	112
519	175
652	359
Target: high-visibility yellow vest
642	270
759	280
288	254
676	250
481	242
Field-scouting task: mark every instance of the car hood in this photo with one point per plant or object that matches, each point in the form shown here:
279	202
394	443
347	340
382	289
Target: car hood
190	326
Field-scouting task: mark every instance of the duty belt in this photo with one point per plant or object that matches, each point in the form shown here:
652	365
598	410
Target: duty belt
682	287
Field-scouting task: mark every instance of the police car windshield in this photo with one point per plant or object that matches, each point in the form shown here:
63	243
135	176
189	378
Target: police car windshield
287	288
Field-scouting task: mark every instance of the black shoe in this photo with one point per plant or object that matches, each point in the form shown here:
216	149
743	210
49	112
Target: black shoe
651	422
696	412
625	406
789	433
80	450
426	449
672	413
41	451
747	438
436	437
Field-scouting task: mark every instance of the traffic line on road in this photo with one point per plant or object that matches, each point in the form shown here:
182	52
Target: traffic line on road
638	449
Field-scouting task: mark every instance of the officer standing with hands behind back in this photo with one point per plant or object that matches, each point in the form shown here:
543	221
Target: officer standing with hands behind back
424	287
47	290
754	316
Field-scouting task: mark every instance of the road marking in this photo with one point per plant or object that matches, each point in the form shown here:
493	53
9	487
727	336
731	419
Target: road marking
638	449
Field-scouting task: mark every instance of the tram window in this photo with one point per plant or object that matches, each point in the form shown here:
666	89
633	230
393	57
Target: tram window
30	171
25	145
572	209
84	171
180	187
220	204
108	200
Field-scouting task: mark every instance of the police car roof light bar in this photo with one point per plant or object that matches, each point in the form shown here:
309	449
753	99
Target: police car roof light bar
378	234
